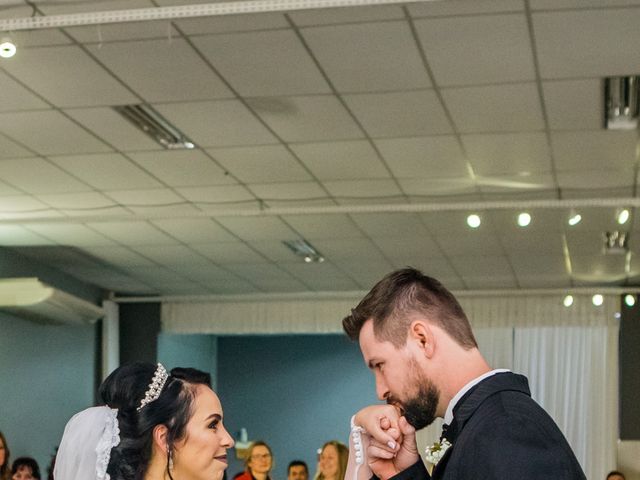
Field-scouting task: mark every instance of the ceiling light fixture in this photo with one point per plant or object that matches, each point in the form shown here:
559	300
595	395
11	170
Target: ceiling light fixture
156	126
304	249
597	299
574	219
616	242
473	220
622	216
568	301
7	48
524	219
630	300
621	102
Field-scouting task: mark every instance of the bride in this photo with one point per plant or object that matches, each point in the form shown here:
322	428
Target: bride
154	426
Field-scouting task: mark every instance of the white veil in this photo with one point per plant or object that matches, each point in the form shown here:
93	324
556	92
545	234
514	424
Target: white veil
86	445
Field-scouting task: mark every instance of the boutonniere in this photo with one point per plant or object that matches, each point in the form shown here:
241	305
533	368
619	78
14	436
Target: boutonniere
436	451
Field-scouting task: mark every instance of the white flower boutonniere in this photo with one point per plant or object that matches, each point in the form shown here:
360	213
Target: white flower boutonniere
436	451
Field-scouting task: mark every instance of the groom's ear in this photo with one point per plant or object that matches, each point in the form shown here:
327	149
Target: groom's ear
160	433
423	335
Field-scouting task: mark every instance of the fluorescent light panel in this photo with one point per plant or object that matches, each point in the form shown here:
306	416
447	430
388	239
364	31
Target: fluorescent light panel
155	125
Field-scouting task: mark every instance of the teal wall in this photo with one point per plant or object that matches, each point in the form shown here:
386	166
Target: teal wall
195	351
47	374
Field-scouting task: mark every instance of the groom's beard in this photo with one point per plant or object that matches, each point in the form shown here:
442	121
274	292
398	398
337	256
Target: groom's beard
419	410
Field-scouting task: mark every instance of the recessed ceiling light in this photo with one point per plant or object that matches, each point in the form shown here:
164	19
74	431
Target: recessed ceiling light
304	249
622	102
524	219
7	48
156	126
630	300
473	220
623	216
597	299
574	219
568	301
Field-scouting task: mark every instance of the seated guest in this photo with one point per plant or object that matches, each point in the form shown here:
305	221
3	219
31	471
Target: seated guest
615	475
333	461
25	468
258	462
297	470
5	469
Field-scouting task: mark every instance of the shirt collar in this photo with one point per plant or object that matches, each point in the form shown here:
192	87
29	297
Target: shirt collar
448	416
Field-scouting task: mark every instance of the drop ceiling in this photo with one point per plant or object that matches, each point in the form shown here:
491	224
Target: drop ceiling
453	102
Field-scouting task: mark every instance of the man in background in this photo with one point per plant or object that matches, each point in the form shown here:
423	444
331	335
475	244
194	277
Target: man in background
297	470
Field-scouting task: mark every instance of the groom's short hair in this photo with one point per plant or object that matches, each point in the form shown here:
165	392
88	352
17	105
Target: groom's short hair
393	302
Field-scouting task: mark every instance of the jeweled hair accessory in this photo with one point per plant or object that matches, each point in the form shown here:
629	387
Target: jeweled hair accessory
155	387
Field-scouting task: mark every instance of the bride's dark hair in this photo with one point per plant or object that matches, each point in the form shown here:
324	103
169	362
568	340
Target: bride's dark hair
124	389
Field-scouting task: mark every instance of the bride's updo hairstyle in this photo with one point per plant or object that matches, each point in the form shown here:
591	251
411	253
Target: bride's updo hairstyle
125	389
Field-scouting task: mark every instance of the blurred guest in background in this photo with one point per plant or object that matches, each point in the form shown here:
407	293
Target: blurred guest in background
615	475
258	462
297	470
25	468
333	461
5	469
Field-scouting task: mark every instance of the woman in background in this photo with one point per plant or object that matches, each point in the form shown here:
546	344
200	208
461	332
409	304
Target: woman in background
25	468
258	462
5	469
333	460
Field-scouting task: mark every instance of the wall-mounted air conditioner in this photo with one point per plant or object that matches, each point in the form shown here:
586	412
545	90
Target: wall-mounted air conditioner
31	299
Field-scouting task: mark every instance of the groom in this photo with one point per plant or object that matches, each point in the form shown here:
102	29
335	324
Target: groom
417	340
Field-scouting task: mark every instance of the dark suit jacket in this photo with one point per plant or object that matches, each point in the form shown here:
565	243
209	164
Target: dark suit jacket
499	432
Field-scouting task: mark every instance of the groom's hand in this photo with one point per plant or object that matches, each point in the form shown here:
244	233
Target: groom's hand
386	462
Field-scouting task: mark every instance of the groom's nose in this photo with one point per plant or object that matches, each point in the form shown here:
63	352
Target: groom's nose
381	388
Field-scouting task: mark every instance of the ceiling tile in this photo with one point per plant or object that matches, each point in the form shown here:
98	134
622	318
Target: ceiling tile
217	124
171	71
511	153
369	13
367	274
353	189
20	204
482	265
438	186
584	243
593	50
10	149
171	255
78	203
76	235
321	276
368	57
109	171
353	249
308	119
595	180
261	164
232	23
61	8
475	242
399	114
408	249
194	230
224	253
341	160
38	176
525	243
591	150
491	108
574	104
273	63
292	191
472	50
274	250
44	37
132	233
182	168
49	133
73	78
424	157
137	198
464	7
323	226
390	224
114	129
219	195
495	282
106	33
14	96
564	4
598	268
15	235
258	228
544	281
119	256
